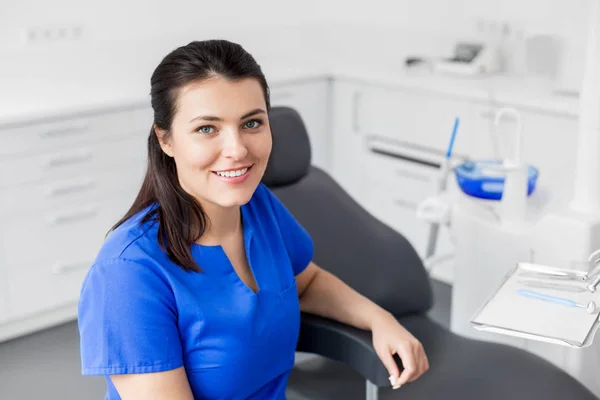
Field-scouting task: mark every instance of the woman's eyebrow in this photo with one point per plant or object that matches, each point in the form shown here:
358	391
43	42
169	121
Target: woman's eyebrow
213	118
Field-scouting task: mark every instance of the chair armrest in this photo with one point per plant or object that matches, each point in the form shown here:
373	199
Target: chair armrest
339	342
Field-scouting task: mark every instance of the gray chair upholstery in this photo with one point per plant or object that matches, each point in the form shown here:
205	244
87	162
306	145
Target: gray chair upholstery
382	265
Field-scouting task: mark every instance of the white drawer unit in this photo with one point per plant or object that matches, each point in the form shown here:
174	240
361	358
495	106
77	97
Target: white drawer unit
73	231
61	133
82	188
63	184
46	285
71	162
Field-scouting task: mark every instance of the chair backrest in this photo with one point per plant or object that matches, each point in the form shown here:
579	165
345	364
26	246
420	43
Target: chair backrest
349	242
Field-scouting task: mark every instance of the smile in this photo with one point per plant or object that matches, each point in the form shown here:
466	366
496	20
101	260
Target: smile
233	175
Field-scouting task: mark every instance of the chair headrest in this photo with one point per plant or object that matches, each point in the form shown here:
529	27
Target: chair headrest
290	157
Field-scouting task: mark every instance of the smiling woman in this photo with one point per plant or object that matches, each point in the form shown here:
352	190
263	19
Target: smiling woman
197	290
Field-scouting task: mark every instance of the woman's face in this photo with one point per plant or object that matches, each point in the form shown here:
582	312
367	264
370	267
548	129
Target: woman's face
220	140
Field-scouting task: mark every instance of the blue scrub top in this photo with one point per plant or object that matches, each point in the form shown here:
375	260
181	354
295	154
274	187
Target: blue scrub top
139	312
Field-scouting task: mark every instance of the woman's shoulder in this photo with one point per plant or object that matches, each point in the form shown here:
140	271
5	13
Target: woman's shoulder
130	256
135	239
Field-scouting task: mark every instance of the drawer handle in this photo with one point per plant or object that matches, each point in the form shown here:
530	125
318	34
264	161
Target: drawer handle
405	204
406	158
62	267
73	216
71	187
67	159
65	131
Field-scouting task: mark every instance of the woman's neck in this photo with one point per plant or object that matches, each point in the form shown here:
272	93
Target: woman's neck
223	224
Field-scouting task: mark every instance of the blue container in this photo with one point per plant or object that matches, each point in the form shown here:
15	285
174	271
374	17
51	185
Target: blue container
484	179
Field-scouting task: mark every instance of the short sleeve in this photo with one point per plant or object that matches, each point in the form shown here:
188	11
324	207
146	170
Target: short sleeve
299	244
127	320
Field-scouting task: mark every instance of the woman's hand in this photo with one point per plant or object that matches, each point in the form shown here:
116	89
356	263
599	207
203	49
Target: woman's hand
389	338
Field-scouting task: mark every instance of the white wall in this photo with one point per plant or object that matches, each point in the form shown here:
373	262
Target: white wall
123	19
129	26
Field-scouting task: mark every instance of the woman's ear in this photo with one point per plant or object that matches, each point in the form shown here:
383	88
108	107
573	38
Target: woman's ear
163	140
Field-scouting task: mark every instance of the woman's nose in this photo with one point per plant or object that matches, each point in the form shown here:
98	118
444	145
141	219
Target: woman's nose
234	145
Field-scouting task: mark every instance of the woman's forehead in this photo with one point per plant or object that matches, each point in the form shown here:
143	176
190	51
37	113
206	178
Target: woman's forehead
220	97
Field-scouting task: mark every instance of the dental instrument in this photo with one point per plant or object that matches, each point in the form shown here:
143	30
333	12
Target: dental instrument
548	271
553	277
590	307
553	286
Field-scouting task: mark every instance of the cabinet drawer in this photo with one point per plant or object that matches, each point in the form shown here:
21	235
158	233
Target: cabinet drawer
72	162
397	164
35	288
64	133
72	232
399	211
80	189
417	117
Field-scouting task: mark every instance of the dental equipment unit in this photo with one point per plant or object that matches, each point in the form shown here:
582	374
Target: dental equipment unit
492	236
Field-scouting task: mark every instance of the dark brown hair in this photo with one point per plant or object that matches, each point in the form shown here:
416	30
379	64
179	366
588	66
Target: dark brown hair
180	217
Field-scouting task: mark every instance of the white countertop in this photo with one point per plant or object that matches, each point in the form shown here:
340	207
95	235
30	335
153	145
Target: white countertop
62	81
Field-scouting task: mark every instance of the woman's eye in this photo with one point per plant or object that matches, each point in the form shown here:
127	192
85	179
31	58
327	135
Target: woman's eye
252	124
205	129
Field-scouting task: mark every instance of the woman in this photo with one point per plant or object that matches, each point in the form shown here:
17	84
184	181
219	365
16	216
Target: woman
197	291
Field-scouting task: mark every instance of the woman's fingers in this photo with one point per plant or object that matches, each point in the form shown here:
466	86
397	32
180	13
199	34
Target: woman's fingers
414	360
390	365
410	363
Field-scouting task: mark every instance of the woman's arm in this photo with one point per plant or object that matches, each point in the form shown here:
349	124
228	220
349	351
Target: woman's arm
168	385
322	293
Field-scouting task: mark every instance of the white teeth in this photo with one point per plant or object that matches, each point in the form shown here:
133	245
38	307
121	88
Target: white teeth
231	174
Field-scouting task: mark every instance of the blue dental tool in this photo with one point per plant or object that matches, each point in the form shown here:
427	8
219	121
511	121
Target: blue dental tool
590	307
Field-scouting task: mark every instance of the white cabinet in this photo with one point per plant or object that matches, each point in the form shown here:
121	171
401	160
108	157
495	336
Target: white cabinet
312	99
347	139
66	183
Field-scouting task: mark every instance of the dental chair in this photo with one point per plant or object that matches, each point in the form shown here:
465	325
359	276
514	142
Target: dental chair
382	265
